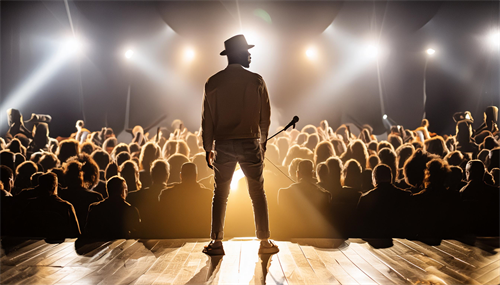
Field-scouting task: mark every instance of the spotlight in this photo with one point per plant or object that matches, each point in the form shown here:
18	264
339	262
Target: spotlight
372	50
430	51
384	117
189	54
129	53
494	39
311	53
73	44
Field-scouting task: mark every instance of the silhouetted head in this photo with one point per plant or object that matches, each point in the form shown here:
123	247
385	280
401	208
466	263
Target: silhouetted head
454	158
436	173
48	182
130	172
351	174
373	161
102	158
160	170
201	165
189	173
23	174
67	149
122	157
491	115
6	177
149	153
495	173
7	158
414	168
73	174
305	170
474	170
322	172
176	161
381	174
388	157
323	151
116	188
111	170
236	50
87	147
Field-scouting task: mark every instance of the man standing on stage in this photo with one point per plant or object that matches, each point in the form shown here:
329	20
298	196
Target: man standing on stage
236	113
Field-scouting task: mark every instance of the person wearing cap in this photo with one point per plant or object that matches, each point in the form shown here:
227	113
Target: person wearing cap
236	114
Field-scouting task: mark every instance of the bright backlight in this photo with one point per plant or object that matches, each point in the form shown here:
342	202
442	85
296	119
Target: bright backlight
129	53
311	53
189	54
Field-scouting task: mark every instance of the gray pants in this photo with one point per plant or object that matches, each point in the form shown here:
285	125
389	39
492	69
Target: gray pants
248	154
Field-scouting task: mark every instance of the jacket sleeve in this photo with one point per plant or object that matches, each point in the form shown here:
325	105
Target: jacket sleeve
207	125
265	112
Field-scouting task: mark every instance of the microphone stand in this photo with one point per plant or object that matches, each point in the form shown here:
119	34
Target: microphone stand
292	123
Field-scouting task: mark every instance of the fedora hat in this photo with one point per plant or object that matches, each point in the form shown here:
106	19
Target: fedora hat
235	44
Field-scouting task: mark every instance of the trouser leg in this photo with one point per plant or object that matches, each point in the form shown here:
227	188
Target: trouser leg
224	166
252	166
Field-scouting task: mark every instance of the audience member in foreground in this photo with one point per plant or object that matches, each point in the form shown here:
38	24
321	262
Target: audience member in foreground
113	218
186	206
47	215
382	210
304	206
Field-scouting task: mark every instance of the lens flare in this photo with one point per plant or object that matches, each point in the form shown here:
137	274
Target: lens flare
430	51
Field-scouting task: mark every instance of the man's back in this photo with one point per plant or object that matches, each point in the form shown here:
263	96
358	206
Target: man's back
236	103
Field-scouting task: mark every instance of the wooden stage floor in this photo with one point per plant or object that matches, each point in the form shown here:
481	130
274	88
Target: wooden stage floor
312	261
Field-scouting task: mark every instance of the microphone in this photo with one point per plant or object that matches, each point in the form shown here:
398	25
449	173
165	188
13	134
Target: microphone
292	122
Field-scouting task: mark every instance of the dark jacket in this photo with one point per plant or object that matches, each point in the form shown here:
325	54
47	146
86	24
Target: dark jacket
112	218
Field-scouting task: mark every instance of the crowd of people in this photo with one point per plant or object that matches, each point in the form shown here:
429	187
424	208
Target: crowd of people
319	182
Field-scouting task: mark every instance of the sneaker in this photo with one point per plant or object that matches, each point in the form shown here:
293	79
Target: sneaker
268	247
211	250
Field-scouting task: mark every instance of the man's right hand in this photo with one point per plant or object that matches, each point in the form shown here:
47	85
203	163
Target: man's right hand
210	159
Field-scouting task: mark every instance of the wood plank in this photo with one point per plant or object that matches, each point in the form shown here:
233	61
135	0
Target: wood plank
441	265
165	252
250	269
323	274
388	271
45	275
138	263
409	272
105	249
77	274
10	251
110	263
168	275
368	269
41	256
34	276
193	264
275	274
288	265
334	267
24	254
228	271
352	269
304	267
